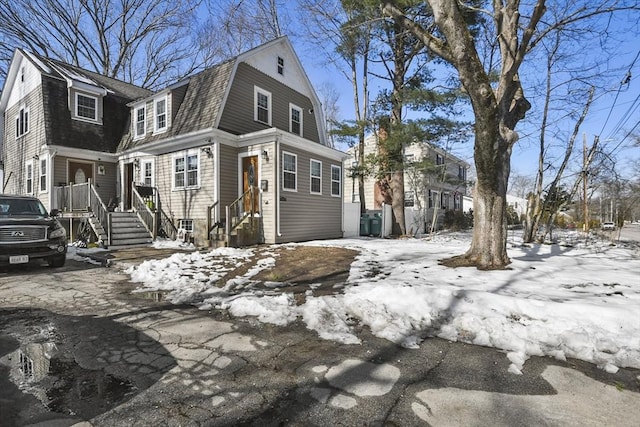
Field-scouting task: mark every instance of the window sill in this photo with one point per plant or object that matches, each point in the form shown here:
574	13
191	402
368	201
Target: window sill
87	120
194	187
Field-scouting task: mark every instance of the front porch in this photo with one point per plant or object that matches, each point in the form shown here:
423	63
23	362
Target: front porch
83	207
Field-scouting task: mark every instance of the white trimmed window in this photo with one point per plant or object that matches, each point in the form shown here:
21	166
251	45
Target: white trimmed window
409	199
439	159
462	173
86	107
336	180
186	225
28	177
43	175
161	122
289	171
445	201
186	171
139	121
295	119
457	202
147	173
262	103
281	65
315	170
22	122
433	197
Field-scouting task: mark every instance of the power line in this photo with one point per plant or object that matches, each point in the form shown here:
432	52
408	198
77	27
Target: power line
625	81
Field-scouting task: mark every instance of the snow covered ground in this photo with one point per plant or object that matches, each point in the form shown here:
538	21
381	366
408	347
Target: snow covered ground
571	300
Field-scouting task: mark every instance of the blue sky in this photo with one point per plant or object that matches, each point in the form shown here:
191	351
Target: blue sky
613	114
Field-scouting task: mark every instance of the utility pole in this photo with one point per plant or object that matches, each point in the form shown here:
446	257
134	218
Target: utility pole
585	225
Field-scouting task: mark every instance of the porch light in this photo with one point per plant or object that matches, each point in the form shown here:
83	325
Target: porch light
207	151
265	155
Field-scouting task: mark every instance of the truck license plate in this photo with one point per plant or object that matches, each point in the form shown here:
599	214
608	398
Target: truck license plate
18	259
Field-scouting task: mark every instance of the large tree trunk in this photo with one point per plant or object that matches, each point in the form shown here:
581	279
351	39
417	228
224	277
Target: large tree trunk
497	109
489	242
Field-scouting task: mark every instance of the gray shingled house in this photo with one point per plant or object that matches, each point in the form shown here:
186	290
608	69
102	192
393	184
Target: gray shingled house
235	154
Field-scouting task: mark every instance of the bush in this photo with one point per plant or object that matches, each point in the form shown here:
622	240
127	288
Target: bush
458	220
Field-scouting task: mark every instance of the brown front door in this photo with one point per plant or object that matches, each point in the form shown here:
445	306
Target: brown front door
250	178
128	181
79	173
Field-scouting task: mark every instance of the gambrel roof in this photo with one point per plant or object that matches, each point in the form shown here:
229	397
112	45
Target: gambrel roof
197	103
71	73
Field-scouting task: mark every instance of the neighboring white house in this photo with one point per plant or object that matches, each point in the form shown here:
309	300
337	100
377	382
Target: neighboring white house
428	194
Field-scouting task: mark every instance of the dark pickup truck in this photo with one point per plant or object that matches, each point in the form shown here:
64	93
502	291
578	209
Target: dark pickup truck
28	232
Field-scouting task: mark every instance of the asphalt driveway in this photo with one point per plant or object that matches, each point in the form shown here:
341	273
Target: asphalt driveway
77	346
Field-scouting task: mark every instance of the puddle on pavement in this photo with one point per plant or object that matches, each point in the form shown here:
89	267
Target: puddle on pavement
156	296
47	369
62	385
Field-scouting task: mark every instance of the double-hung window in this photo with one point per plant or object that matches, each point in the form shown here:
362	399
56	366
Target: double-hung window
147	173
43	175
462	173
140	124
316	176
86	107
434	198
295	119
289	171
161	121
262	110
336	180
281	65
409	199
28	177
186	171
445	201
457	201
22	122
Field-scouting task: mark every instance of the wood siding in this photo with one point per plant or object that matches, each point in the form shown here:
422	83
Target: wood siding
65	131
307	216
18	151
238	115
187	203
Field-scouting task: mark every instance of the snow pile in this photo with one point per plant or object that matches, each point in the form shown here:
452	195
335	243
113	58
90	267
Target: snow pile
580	301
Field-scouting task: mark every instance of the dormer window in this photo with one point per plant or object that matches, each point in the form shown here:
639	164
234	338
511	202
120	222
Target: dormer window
280	65
86	107
161	123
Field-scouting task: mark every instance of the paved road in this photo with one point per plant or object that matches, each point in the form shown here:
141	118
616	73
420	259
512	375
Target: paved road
101	355
630	232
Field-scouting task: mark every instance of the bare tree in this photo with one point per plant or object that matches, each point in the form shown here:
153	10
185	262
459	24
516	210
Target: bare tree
329	96
235	26
146	42
498	107
341	31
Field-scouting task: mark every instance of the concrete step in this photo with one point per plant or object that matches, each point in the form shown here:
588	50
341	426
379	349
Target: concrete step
130	241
